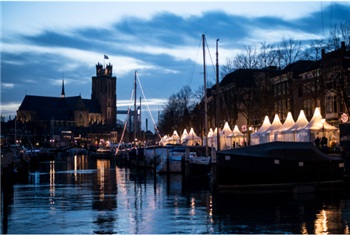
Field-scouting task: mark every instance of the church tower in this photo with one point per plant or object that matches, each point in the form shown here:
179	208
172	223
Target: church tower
62	92
104	91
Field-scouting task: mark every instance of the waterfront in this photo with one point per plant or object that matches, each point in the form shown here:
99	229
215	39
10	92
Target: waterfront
86	196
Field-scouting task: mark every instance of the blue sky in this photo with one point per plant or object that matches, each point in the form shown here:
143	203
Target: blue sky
43	42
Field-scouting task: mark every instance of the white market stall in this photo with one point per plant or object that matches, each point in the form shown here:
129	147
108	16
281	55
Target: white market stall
255	137
191	139
316	127
288	123
237	137
174	139
290	133
225	137
268	135
184	134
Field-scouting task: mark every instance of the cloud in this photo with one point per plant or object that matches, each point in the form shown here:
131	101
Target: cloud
7	85
162	41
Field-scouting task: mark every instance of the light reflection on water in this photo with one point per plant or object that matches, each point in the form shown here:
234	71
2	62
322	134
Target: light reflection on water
81	195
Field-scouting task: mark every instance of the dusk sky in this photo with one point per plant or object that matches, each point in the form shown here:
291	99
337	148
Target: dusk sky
45	42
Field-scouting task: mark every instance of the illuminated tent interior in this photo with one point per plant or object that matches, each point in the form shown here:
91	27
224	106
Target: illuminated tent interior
288	123
255	137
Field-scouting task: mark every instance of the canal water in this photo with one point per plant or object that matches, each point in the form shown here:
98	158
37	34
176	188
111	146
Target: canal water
85	196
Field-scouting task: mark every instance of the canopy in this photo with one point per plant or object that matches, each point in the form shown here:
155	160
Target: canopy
191	139
236	132
174	139
289	134
225	139
255	136
184	134
316	124
288	123
213	138
163	141
268	135
210	138
237	137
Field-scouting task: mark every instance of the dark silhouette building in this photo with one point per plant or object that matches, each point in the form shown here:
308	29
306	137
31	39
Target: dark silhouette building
48	112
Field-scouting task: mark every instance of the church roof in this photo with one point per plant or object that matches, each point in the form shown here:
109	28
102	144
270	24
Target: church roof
48	108
92	105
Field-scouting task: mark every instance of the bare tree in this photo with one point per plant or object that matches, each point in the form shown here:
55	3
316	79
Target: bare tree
226	68
266	56
313	52
290	51
176	112
199	93
248	59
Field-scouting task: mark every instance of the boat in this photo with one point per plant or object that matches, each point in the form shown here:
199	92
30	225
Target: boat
102	153
173	156
199	163
278	166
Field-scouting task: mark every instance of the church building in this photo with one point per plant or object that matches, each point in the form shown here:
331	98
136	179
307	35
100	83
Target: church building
74	111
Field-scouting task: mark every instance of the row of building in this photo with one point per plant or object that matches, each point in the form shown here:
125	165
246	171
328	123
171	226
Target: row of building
246	96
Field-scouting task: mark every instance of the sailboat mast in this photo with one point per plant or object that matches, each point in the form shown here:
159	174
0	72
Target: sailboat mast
135	111
205	99
217	96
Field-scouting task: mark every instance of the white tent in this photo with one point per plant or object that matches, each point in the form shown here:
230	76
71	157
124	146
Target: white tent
288	123
210	136
164	140
237	137
213	138
225	138
290	133
174	139
254	137
269	135
192	139
184	134
312	129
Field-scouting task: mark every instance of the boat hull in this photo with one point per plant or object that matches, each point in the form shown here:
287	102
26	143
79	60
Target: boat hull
286	164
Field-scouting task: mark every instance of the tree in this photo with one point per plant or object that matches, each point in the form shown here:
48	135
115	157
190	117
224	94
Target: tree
248	59
176	112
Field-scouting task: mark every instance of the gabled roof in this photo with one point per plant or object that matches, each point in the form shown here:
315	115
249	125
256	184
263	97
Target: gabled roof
36	103
245	77
301	66
48	108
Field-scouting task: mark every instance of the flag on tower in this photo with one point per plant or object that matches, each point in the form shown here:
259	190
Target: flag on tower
106	57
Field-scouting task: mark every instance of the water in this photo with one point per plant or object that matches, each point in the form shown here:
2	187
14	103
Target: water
84	196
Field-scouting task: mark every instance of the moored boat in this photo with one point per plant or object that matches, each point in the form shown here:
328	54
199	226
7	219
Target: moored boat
102	153
281	166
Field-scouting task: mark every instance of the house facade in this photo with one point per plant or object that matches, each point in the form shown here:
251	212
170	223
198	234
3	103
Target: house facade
246	96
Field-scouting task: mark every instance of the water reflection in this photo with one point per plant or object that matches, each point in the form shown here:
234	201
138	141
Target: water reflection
322	214
82	195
